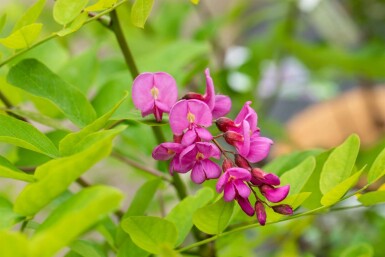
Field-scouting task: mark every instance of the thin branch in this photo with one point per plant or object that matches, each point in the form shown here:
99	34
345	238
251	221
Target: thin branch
140	166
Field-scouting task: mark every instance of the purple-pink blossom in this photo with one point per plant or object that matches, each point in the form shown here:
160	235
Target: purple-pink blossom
154	93
166	151
196	158
232	182
274	194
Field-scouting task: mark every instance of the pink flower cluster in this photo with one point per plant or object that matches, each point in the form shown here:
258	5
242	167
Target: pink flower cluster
194	147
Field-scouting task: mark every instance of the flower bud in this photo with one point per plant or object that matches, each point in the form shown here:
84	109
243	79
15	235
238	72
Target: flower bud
245	205
274	194
193	95
284	209
224	123
231	137
227	164
241	162
260	213
178	138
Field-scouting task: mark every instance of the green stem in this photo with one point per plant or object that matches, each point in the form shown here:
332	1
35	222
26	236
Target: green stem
245	227
123	44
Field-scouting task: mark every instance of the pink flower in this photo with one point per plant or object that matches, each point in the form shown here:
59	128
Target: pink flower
154	93
219	105
191	116
245	205
274	194
196	158
259	177
166	151
232	182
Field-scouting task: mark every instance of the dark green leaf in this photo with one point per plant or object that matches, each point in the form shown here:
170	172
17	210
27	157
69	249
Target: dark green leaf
181	215
35	78
150	233
214	218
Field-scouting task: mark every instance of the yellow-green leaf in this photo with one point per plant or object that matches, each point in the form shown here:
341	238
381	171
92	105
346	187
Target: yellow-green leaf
8	170
76	24
374	197
23	37
101	5
65	11
337	192
377	170
31	15
13	244
195	1
140	11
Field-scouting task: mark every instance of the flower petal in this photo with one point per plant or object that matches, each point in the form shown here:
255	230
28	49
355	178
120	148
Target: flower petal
240	173
168	91
222	106
141	90
201	111
245	204
178	120
247	113
211	169
187	157
166	150
242	189
222	181
259	149
209	97
198	174
204	134
189	137
229	192
275	195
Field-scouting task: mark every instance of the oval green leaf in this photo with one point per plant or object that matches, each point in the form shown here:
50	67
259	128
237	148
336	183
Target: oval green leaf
55	176
377	170
79	213
31	15
150	233
13	244
65	11
182	214
23	37
214	218
339	164
299	175
140	11
337	192
23	134
35	78
372	198
8	170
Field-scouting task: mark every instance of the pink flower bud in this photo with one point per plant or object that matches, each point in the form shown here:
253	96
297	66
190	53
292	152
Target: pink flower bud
193	95
260	213
227	164
232	137
274	194
284	209
224	123
242	162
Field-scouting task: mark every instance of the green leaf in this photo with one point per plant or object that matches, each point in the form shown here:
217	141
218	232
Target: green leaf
101	5
150	233
312	185
284	163
142	198
337	192
7	217
35	78
3	19
339	164
23	134
167	251
214	218
87	249
358	250
55	176
70	143
140	11
139	204
78	213
377	170
299	175
181	215
128	248
13	244
372	198
8	170
31	15
75	25
23	37
65	11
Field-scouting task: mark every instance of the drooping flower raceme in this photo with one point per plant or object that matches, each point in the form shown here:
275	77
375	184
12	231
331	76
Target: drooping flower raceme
193	146
154	93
